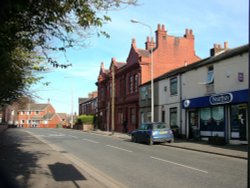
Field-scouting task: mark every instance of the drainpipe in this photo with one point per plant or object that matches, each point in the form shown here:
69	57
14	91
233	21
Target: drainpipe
180	103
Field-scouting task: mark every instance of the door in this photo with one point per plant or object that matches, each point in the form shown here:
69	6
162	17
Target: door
239	122
193	124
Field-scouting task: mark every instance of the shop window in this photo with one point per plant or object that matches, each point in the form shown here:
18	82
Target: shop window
212	119
173	86
239	122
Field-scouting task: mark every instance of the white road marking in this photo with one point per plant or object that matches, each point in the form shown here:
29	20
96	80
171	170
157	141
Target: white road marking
178	164
90	141
119	148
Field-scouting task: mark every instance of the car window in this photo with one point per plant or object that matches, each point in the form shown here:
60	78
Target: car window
149	127
143	127
160	126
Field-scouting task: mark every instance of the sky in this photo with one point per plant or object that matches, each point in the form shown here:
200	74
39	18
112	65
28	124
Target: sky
213	21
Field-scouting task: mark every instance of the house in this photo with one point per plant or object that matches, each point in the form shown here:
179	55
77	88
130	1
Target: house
88	106
205	99
215	95
38	115
169	52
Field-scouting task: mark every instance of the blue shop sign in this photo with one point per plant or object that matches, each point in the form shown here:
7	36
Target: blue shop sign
223	98
235	97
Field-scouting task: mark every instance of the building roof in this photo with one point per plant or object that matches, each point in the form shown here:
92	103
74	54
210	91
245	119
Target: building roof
143	53
210	60
47	116
34	107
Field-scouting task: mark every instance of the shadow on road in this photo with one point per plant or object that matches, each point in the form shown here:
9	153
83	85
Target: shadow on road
26	161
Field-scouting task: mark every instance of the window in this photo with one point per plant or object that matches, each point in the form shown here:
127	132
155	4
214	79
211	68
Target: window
22	121
102	93
163	116
120	118
136	83
210	75
173	117
173	86
143	93
37	112
133	115
148	116
212	119
131	84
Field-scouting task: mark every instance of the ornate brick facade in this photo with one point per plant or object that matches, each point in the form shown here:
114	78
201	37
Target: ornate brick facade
169	52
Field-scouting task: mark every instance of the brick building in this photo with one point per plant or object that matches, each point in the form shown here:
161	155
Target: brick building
88	106
38	115
169	52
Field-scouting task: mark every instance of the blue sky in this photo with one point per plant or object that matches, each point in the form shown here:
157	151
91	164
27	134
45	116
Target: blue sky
213	21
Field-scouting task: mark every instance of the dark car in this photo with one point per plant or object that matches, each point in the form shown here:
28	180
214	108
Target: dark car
152	132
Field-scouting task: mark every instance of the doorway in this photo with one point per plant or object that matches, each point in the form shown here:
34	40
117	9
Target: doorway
193	124
239	122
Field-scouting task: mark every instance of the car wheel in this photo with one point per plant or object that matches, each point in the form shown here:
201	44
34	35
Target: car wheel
133	139
150	141
171	141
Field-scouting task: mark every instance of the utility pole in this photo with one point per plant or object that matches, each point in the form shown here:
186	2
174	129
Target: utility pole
113	99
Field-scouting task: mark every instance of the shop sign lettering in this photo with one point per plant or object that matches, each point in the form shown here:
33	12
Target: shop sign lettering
221	98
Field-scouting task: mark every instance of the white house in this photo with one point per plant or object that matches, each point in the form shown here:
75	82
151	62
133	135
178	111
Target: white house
215	95
204	99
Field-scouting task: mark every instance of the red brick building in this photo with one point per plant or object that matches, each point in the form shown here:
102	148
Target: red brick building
38	115
169	52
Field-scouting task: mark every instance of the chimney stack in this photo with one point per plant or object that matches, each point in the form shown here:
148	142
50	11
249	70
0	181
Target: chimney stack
217	49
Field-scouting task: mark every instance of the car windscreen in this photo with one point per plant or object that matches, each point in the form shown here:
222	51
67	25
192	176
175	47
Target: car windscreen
160	126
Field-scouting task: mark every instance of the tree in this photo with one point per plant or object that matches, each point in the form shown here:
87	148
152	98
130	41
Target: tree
32	29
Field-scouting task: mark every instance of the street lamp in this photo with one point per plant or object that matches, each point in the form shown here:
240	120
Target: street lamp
152	67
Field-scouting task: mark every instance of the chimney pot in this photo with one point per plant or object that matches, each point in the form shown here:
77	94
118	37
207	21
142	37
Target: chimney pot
225	45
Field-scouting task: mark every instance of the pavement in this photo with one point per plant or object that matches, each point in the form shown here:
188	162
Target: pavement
26	161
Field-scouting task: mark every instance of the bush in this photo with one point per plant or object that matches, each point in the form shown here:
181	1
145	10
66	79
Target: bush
85	119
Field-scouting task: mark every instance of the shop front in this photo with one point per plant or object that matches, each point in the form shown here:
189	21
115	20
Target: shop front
221	115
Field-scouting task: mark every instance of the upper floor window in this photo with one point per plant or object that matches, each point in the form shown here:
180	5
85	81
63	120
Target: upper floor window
102	93
210	75
131	84
173	86
136	83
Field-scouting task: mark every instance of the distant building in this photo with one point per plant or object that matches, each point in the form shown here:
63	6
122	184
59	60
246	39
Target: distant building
169	52
88	106
38	115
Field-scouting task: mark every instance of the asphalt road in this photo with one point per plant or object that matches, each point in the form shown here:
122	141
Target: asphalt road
140	165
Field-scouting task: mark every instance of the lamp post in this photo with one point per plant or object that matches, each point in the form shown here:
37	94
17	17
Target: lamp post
151	68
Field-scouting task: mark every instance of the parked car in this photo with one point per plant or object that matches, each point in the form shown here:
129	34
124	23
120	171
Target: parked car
152	132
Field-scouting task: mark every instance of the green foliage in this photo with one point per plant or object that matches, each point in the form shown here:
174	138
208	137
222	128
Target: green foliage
85	119
32	30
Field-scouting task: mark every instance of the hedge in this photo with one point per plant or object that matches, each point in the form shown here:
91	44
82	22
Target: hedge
85	119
